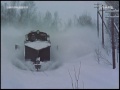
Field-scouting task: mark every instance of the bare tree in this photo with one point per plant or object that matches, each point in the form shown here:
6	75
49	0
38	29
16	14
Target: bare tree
85	19
98	55
69	24
101	57
47	19
77	76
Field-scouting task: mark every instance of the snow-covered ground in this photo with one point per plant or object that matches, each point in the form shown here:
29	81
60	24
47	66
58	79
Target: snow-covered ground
76	49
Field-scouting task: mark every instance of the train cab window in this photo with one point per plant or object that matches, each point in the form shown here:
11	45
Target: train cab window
43	36
32	36
36	35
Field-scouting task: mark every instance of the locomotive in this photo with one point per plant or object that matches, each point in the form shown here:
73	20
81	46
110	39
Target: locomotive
37	47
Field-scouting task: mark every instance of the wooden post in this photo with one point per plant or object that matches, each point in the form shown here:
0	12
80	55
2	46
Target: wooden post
113	43
98	18
118	48
102	29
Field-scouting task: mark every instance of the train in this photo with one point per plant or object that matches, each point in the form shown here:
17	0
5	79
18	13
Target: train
37	47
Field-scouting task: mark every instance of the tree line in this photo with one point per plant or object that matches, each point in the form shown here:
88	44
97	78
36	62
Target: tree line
29	17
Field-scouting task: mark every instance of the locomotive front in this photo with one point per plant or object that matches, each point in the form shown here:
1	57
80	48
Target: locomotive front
37	47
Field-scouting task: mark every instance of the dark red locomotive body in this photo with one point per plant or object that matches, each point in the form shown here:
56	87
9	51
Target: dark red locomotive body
37	45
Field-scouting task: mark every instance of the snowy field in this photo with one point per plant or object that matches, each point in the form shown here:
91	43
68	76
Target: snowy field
76	50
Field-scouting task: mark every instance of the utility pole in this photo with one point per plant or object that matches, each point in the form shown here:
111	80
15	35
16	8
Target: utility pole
102	29
97	18
113	40
112	34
